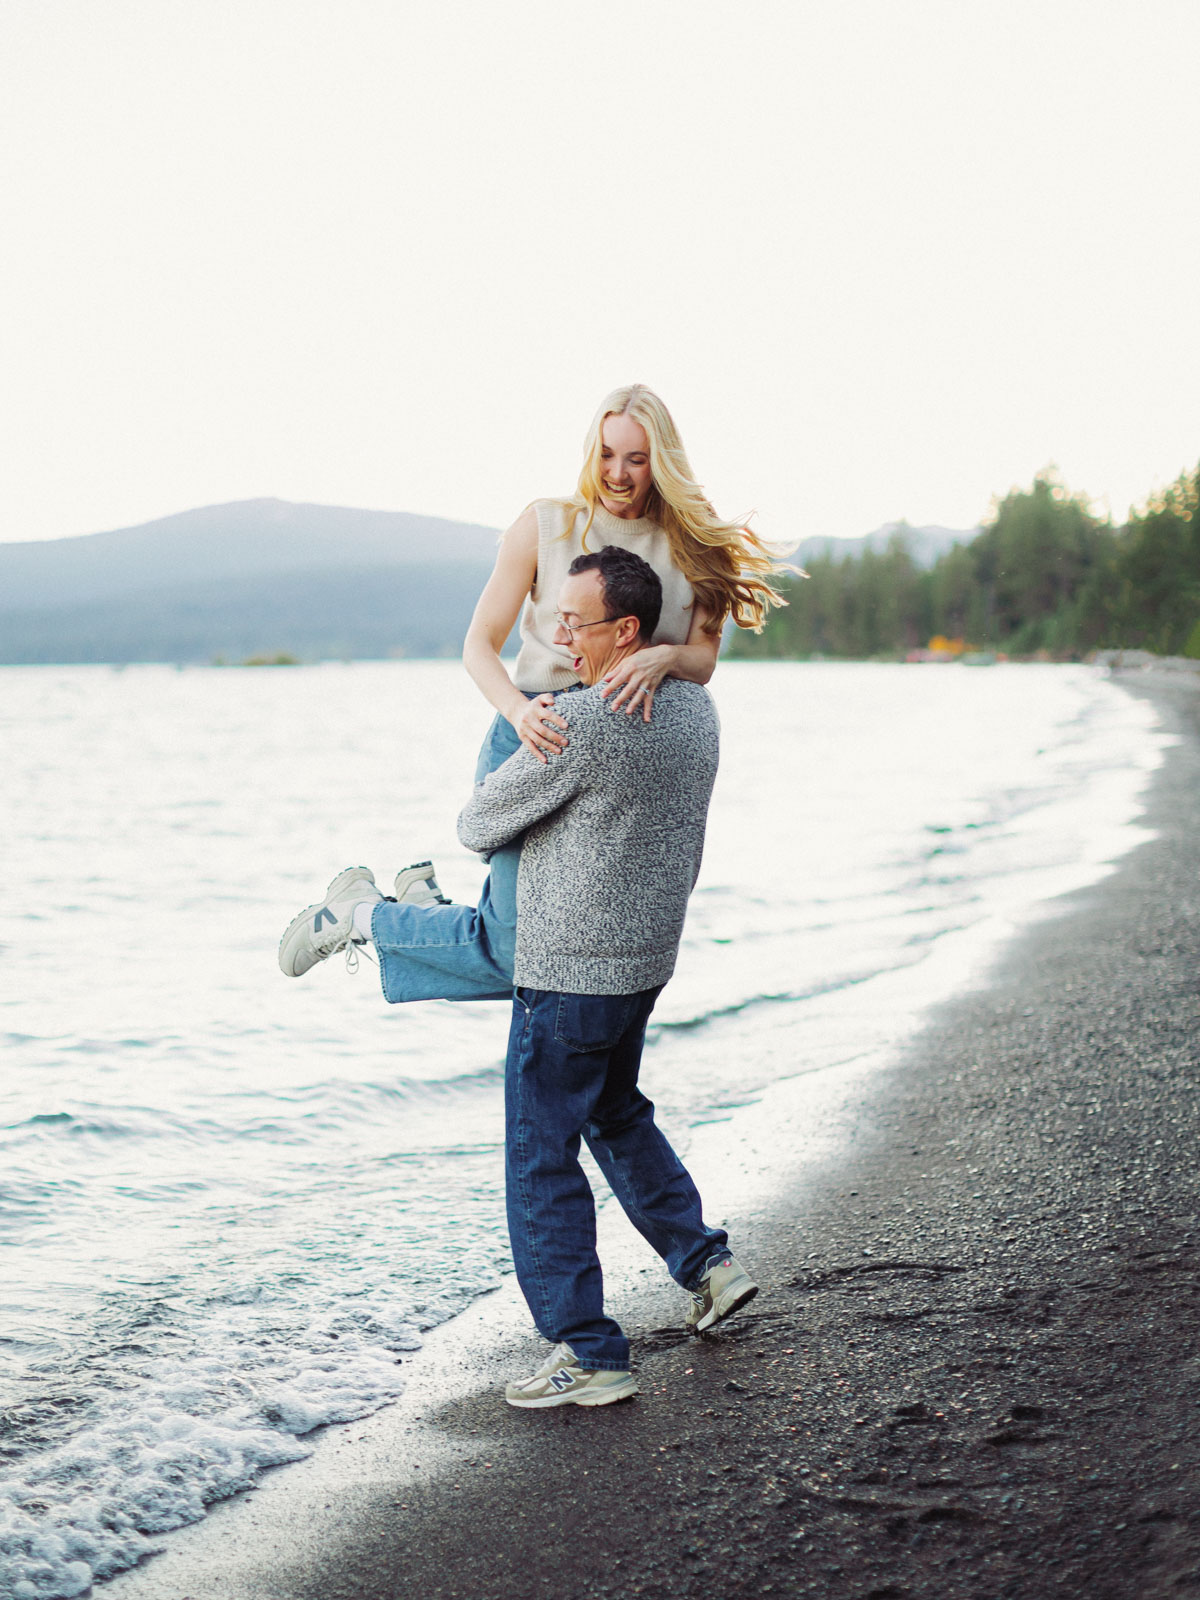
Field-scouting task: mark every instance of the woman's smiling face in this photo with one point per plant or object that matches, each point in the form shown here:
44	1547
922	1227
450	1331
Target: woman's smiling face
625	477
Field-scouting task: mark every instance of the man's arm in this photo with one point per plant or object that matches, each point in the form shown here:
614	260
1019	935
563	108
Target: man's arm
523	791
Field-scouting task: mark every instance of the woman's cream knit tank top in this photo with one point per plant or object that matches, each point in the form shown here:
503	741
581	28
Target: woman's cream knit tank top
541	665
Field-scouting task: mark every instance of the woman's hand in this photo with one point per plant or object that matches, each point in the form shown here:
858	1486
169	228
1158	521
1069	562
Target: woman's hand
537	727
632	684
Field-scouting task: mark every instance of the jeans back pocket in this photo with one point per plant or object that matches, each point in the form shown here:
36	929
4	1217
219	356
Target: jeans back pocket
593	1021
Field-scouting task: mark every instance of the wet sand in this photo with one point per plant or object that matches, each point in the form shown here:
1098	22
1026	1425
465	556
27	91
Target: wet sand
972	1371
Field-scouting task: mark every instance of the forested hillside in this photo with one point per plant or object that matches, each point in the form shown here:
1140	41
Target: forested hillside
1044	577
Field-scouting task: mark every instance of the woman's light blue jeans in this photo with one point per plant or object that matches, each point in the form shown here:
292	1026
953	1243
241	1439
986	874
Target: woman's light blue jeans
457	952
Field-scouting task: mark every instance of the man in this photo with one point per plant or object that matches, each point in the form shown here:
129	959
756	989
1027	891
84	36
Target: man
613	833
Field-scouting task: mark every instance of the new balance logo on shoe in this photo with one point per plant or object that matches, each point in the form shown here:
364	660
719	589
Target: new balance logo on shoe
561	1380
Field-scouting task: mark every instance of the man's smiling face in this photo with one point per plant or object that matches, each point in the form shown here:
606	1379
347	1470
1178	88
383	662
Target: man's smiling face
594	639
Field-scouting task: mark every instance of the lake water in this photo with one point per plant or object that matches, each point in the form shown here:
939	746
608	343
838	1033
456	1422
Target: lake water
230	1202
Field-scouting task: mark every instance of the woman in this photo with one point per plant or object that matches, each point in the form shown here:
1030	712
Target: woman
636	490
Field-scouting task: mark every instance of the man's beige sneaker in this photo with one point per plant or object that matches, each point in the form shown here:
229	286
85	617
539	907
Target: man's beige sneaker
723	1288
328	926
561	1381
417	886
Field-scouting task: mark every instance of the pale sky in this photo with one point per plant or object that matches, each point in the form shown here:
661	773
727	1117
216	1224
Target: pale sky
882	258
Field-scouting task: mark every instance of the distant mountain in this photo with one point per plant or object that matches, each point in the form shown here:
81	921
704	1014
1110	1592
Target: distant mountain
237	540
261	577
253	577
925	544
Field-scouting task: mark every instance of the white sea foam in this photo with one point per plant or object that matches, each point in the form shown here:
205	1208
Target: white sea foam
193	1430
239	1200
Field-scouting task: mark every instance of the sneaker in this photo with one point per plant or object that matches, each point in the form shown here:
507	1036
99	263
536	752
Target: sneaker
325	928
561	1381
417	886
722	1289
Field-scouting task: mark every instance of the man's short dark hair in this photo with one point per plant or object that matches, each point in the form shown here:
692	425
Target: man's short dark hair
632	588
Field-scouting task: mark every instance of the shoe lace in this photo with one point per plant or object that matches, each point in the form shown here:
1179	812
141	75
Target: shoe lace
353	946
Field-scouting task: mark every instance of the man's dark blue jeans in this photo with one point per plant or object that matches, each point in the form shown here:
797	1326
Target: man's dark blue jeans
572	1073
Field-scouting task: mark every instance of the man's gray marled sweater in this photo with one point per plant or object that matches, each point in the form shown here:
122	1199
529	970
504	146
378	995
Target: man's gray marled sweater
615	835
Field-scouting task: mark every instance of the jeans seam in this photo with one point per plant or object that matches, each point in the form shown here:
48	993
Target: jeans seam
393	945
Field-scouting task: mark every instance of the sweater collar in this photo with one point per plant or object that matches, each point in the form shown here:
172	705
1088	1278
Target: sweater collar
604	522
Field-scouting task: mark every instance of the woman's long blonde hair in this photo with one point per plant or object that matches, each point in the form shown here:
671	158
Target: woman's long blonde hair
727	565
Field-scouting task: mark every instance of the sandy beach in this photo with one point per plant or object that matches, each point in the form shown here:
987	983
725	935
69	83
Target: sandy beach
972	1370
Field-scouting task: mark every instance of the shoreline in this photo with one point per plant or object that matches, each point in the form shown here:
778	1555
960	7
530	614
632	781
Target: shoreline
1177	669
969	1371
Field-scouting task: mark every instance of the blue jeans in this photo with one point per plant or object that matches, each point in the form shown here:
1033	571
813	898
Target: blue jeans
457	952
572	1073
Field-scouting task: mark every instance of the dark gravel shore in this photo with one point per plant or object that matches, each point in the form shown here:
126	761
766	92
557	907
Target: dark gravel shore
973	1369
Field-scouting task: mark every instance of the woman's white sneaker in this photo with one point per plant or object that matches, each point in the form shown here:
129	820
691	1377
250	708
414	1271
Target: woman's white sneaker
417	886
323	929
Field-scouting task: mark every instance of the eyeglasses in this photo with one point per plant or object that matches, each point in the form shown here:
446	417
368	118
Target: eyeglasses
577	627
